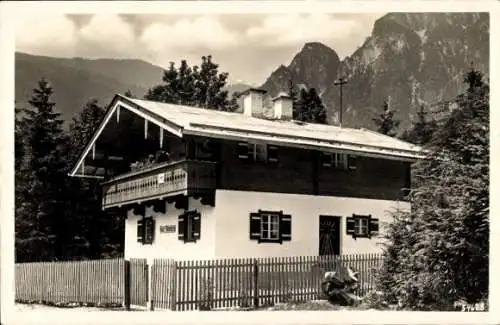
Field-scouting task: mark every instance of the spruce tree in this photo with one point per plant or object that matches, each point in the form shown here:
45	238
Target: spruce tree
310	108
40	181
95	229
438	253
422	129
385	122
293	93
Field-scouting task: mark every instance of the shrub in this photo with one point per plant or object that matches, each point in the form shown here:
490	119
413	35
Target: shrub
438	253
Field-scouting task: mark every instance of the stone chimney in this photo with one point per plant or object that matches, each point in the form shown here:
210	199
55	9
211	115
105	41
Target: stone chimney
283	106
253	104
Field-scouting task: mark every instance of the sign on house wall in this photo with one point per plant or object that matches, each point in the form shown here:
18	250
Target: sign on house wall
167	229
161	178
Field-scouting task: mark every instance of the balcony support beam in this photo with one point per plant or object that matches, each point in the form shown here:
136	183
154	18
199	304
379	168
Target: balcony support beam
139	209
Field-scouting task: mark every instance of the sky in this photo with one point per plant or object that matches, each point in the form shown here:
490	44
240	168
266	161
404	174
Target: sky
247	46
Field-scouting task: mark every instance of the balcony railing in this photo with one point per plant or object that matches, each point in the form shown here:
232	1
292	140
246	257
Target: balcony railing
159	181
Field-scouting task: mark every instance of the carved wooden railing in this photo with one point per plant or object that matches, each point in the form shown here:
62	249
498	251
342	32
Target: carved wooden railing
159	181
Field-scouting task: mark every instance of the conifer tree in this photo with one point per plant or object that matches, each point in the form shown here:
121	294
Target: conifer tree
385	123
438	252
40	181
293	93
310	108
94	228
422	129
129	94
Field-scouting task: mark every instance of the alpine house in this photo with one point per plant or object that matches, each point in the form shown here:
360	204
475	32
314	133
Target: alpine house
195	183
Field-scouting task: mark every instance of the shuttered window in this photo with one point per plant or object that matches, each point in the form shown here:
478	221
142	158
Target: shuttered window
272	153
189	226
140	230
338	161
351	162
362	226
270	227
145	230
257	152
243	150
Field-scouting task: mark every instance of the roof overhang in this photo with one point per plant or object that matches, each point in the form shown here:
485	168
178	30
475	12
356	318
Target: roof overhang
304	142
229	133
121	102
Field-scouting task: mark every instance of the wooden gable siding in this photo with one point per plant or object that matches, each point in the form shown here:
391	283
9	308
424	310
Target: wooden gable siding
299	171
292	173
373	179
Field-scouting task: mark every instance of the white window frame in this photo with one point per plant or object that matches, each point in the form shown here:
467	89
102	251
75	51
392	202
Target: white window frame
337	160
361	226
270	226
259	156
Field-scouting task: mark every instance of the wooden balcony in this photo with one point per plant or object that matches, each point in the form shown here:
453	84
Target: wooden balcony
187	177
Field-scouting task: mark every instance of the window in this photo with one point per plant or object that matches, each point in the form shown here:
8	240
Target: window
272	153
257	152
145	230
189	226
270	227
338	160
359	226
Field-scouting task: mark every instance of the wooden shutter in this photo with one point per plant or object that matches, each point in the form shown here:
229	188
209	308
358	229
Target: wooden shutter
254	226
373	226
243	150
181	228
286	227
326	159
140	230
196	225
272	153
150	230
351	162
350	222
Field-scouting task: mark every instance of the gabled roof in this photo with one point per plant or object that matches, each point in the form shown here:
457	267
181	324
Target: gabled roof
186	120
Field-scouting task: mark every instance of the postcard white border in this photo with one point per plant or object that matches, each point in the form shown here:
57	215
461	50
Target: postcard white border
8	13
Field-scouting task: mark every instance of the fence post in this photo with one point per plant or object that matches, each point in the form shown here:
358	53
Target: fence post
255	283
149	284
173	287
126	272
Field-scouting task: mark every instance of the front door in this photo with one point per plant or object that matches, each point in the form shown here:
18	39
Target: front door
329	235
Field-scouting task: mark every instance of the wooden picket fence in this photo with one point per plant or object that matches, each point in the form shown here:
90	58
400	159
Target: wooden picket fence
226	283
97	281
187	285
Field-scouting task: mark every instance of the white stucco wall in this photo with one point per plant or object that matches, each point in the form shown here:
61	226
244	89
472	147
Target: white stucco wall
167	245
232	222
225	227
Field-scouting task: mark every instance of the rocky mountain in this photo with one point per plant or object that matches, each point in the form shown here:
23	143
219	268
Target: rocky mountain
410	59
311	67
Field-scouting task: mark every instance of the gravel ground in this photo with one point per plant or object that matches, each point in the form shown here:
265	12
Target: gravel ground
309	305
40	307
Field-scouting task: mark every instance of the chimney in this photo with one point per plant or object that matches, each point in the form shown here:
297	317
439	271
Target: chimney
253	102
283	106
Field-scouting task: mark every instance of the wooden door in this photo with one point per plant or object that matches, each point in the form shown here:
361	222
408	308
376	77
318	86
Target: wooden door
329	235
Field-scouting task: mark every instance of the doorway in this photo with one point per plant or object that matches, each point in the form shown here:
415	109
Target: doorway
329	235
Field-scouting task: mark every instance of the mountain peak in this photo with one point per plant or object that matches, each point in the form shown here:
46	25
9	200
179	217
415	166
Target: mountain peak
314	66
309	45
317	48
416	58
